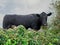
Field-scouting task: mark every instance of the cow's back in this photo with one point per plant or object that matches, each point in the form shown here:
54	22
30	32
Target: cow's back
25	20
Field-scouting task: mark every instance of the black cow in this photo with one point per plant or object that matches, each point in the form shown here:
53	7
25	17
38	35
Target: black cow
34	21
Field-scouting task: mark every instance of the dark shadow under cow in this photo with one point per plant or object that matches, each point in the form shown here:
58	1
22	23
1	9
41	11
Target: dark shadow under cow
34	21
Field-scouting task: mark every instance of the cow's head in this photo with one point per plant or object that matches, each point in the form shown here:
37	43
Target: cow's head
43	18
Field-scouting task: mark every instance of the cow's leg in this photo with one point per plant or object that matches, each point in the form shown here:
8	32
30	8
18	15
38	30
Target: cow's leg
34	26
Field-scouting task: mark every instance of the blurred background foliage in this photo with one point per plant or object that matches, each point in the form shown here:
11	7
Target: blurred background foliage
56	21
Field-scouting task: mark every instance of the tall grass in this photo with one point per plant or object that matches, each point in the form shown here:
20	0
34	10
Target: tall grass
22	36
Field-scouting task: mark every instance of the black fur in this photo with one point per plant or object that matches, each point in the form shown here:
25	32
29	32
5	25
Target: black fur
34	21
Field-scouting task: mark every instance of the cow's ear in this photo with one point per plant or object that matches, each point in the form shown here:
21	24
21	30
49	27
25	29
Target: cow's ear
49	14
38	15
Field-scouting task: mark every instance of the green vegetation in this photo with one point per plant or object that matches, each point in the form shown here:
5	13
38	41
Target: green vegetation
22	36
56	21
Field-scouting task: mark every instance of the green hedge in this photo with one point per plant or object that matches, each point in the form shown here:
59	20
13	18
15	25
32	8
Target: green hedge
22	36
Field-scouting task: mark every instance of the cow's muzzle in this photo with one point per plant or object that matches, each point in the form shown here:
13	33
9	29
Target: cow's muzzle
45	25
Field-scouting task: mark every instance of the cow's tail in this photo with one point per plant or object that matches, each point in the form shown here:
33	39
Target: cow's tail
5	22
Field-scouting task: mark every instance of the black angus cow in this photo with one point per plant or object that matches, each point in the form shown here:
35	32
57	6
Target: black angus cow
34	21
